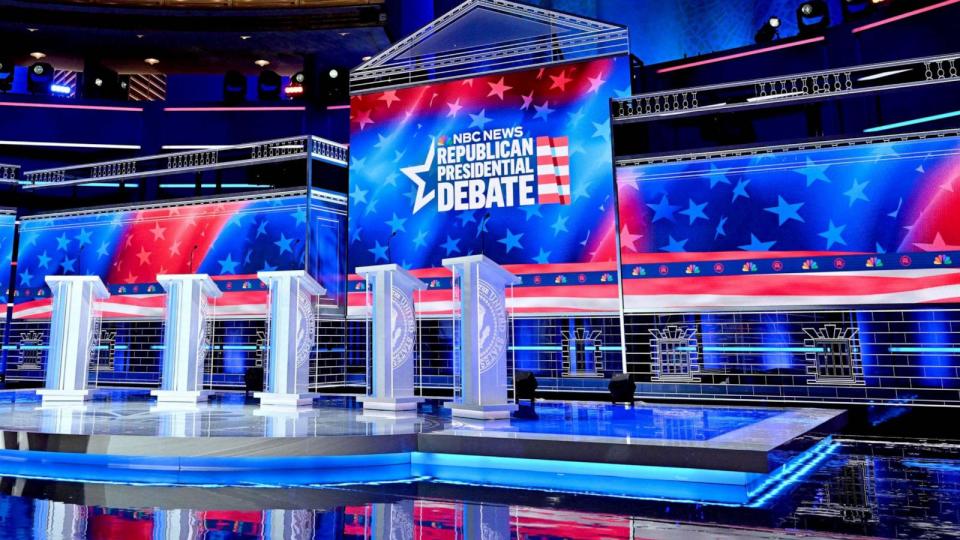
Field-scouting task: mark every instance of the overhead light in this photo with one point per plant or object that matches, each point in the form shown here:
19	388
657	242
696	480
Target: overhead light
344	34
366	58
813	16
32	29
38	55
333	73
262	63
139	36
39	78
769	31
151	61
244	37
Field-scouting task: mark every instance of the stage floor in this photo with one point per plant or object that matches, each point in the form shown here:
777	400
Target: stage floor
122	436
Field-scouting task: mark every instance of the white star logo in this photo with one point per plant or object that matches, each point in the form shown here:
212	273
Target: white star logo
414	172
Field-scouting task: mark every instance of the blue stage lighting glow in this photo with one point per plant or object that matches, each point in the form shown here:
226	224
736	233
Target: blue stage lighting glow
633	481
213	186
793	472
915	121
61	89
535	348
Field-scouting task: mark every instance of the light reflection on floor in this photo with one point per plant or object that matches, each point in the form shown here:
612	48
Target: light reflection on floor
885	490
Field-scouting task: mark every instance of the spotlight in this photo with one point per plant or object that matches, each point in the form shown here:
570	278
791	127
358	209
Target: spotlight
295	88
151	61
39	78
6	75
335	86
262	63
812	17
38	55
100	82
234	87
268	86
769	31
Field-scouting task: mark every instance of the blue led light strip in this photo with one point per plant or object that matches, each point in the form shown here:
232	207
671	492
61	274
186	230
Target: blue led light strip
793	472
535	348
744	348
926	350
915	121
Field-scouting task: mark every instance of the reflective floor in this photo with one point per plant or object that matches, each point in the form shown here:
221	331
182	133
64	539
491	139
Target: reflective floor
867	489
133	412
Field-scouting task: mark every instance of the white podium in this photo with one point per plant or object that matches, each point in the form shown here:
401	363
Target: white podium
394	334
482	334
291	336
185	339
73	335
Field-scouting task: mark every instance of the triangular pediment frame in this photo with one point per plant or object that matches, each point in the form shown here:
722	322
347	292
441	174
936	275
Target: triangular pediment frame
520	36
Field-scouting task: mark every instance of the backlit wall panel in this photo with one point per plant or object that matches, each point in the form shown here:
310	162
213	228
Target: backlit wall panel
859	225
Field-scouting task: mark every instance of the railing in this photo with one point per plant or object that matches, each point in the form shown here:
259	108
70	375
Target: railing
9	174
220	157
786	89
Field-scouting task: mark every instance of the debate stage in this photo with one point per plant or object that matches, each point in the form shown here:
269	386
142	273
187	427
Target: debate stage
724	455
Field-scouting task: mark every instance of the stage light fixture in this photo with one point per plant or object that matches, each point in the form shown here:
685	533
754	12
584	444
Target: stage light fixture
151	61
622	388
295	88
6	75
526	385
234	87
334	86
813	17
268	85
262	63
60	89
38	55
39	78
769	31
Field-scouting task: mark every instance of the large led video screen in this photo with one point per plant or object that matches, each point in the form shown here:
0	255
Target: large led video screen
516	166
867	224
229	239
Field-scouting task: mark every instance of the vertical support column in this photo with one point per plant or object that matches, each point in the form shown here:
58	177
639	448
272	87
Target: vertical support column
394	335
483	337
395	520
72	337
185	339
290	340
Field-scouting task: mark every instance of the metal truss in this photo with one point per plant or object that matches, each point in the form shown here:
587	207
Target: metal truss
788	89
256	153
584	39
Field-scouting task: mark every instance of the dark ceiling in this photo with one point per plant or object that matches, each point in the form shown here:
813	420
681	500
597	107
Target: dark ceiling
189	40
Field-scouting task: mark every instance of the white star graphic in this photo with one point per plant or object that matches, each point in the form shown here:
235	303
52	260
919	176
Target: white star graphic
414	172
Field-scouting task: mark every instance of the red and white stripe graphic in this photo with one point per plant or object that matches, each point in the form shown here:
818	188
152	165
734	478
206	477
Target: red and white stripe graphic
231	304
919	286
553	170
